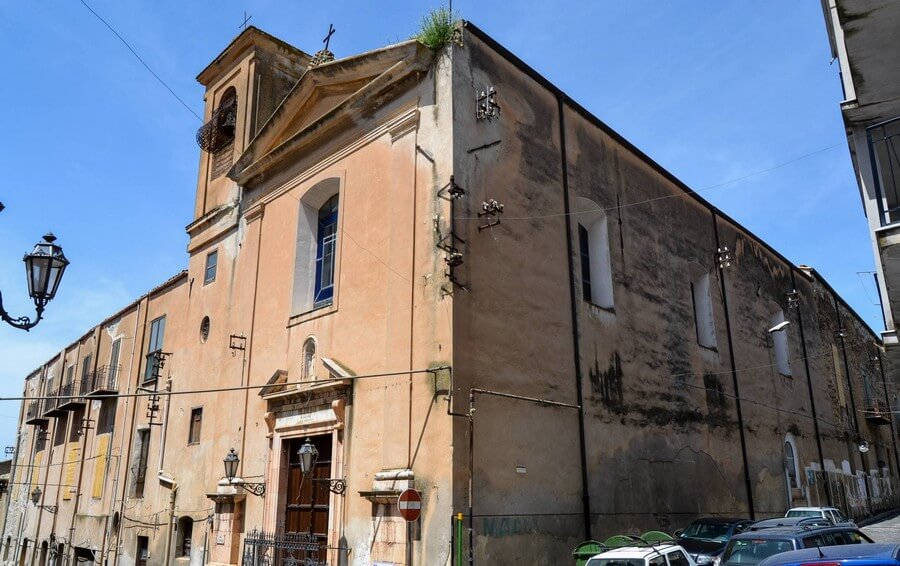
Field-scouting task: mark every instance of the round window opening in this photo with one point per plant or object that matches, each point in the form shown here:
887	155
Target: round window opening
204	329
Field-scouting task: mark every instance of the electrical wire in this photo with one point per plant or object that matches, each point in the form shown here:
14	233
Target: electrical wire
139	58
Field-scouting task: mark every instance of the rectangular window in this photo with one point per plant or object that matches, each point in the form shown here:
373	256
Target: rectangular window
154	347
114	363
143	553
139	469
196	421
70	375
106	420
703	312
40	441
584	247
77	424
780	343
212	262
85	384
59	435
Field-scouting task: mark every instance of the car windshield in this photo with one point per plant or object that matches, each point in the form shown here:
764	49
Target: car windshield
748	552
803	513
707	531
615	562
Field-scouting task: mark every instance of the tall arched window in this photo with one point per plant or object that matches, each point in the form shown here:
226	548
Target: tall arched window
326	240
791	465
308	369
315	267
593	243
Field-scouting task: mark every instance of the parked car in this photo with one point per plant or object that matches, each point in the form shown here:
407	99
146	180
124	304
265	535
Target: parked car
833	514
705	539
755	545
790	522
846	555
663	554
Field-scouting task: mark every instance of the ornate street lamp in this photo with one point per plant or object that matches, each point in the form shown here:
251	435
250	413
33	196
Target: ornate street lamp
309	455
44	267
231	462
36	496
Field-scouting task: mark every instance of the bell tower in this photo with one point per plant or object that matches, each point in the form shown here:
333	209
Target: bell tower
244	85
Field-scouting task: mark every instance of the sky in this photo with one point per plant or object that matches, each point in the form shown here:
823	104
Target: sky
97	151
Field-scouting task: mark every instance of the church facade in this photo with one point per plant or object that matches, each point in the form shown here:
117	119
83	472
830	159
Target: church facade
432	270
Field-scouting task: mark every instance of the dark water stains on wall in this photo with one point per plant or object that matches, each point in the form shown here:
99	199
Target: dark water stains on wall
607	384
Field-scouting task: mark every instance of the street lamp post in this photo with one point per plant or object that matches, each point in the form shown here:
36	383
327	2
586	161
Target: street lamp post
44	267
309	454
36	497
231	462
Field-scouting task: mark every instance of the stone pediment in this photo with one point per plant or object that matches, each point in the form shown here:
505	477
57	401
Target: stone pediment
326	97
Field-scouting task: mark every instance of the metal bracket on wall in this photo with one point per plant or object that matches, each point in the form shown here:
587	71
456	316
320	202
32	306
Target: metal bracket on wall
86	425
723	257
486	105
493	209
793	299
237	342
453	257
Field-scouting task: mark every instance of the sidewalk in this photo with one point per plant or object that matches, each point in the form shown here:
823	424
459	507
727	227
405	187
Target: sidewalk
884	527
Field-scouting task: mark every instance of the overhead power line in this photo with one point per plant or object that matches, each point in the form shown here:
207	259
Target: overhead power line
139	58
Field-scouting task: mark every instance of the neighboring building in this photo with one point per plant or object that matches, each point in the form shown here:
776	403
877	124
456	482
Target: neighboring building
863	36
5	467
383	243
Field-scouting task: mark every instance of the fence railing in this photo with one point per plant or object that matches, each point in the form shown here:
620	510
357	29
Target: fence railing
105	378
884	156
282	549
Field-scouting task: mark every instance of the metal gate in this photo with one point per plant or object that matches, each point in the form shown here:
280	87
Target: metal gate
283	549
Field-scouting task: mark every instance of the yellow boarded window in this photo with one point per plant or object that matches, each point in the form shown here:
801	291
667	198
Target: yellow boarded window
100	465
71	461
34	472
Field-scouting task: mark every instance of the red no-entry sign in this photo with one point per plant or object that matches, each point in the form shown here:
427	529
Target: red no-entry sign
410	503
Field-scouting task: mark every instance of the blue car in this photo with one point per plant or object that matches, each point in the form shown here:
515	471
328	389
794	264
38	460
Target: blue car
846	555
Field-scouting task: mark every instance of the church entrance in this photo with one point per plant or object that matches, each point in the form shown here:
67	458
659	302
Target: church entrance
307	506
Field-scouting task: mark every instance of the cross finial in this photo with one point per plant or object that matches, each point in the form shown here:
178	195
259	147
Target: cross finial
327	39
246	19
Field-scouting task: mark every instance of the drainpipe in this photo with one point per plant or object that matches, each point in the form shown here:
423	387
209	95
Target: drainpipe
134	345
862	456
172	495
734	377
812	399
576	338
890	411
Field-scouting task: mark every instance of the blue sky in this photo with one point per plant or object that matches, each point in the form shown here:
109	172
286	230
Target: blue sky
101	154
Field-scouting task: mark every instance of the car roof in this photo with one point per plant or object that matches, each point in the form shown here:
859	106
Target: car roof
637	551
789	531
812	509
878	551
720	520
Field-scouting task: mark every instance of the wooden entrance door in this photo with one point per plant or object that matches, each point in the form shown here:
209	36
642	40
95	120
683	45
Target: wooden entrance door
308	500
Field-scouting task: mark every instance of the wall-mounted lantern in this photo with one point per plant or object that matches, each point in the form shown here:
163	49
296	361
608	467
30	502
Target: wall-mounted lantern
309	455
231	462
36	497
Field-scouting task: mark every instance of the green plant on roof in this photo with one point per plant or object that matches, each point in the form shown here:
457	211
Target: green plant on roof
438	28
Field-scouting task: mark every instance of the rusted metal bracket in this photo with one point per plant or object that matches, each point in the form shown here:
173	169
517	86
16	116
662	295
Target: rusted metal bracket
492	209
723	257
487	106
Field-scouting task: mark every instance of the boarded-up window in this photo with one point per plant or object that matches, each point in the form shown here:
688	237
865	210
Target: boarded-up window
100	457
780	343
139	468
107	418
68	486
196	421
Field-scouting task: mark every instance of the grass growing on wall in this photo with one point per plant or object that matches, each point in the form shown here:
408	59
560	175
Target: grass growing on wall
438	28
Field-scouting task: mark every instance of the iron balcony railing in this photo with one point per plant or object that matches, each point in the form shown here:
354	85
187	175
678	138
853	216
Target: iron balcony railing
877	411
884	156
105	378
34	412
52	402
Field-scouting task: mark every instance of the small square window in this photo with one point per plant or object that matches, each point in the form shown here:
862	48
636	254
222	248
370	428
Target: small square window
212	262
196	421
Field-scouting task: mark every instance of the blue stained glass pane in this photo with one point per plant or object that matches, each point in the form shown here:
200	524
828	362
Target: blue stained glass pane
326	239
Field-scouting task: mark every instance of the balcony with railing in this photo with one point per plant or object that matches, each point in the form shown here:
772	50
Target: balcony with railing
71	395
878	412
104	381
884	157
51	405
34	414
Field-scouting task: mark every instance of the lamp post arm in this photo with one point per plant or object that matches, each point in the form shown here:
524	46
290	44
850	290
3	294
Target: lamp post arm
23	322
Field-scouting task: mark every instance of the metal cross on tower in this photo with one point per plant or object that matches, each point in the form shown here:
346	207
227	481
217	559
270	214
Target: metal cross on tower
246	19
327	39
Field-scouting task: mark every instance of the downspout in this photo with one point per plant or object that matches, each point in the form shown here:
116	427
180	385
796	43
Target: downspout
573	304
172	495
734	377
890	412
83	435
134	345
862	455
812	399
